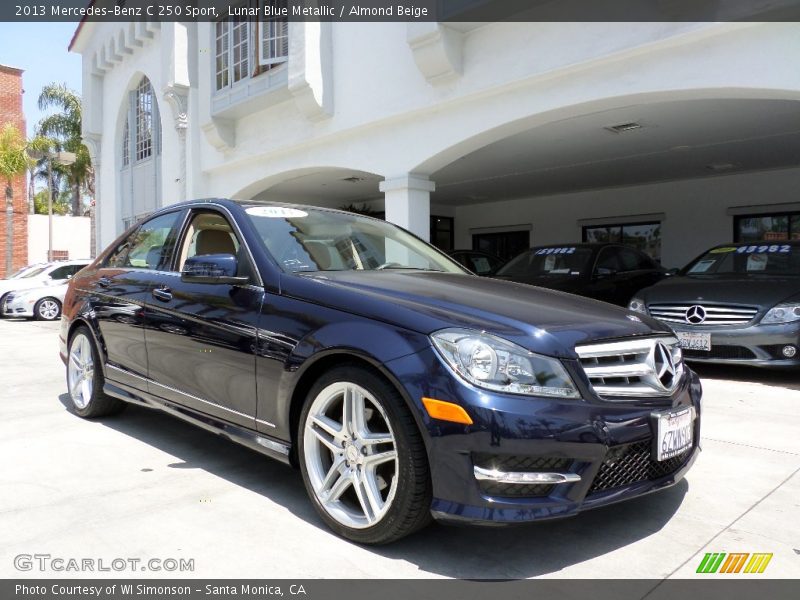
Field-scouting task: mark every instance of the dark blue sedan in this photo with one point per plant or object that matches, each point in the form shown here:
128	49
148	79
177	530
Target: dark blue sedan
403	387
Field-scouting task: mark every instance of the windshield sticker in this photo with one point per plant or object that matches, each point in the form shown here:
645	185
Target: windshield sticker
722	250
541	251
771	249
756	262
276	212
702	266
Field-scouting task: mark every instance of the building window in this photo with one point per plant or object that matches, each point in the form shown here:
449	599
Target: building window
245	48
772	227
642	236
506	244
442	232
144	119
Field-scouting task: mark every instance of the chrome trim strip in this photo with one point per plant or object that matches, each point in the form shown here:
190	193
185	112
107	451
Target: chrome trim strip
524	478
267	423
193	397
274	446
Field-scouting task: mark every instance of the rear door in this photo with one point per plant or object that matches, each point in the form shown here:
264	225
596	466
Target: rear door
201	338
117	293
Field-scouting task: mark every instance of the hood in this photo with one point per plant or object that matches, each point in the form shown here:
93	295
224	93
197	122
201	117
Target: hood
14	285
762	291
540	320
564	283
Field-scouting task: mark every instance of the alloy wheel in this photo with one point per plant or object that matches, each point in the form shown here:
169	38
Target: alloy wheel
48	309
80	371
350	455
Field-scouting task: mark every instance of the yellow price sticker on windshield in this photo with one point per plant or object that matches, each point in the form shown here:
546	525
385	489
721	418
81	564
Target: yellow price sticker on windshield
722	250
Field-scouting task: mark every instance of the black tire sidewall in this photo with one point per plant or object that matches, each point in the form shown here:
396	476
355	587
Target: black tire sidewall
389	528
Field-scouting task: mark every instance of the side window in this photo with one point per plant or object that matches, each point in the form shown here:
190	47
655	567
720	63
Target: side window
149	247
608	261
634	261
64	272
211	233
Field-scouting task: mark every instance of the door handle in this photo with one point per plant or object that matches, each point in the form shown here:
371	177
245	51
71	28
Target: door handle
164	294
104	282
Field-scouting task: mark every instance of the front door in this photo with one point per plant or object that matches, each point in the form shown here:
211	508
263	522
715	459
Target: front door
202	338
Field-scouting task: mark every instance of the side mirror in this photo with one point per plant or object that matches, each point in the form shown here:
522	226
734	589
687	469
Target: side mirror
603	273
673	271
214	269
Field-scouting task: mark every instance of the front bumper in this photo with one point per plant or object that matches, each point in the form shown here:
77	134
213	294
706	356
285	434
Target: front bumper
606	444
756	345
16	306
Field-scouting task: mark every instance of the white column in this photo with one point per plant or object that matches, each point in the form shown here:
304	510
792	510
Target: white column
408	203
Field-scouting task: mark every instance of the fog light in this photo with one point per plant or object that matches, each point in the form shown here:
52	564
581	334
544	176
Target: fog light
789	351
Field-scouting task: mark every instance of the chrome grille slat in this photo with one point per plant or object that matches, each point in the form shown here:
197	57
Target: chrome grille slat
632	368
715	314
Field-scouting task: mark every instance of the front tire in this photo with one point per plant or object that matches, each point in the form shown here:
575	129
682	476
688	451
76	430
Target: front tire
85	378
362	458
47	309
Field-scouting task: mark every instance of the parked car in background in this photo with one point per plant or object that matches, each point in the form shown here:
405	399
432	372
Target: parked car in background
402	386
27	269
52	273
42	303
735	303
608	272
479	262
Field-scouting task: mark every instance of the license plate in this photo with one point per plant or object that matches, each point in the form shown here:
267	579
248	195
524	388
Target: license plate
694	341
674	432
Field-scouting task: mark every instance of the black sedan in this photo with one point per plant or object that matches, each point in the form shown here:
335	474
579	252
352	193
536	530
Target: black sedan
737	303
608	272
402	386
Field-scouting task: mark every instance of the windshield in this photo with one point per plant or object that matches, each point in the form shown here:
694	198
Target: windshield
32	272
318	240
764	259
548	262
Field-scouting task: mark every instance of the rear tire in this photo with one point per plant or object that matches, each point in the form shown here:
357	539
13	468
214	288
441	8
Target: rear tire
47	309
85	378
362	457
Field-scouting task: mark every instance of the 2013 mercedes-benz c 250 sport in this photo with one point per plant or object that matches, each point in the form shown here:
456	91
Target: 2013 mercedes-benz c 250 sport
402	386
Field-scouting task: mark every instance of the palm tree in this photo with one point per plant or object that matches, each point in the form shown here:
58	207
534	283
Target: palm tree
14	162
64	127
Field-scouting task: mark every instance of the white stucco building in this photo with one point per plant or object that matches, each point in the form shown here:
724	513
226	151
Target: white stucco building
510	133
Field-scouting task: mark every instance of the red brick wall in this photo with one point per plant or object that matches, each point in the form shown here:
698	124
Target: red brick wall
11	111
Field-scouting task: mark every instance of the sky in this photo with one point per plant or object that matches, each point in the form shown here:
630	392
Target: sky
41	50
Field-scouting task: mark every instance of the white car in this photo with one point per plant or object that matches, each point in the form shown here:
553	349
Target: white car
46	274
43	303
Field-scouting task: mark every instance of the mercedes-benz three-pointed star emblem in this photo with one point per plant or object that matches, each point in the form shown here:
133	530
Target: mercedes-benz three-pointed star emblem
663	365
695	314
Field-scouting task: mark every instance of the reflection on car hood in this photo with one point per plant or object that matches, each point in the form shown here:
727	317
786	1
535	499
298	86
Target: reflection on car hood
565	283
747	290
541	320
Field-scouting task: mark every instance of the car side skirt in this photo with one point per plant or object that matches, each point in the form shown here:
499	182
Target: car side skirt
271	447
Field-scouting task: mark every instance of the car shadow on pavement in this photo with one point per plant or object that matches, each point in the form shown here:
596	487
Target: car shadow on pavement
782	378
464	552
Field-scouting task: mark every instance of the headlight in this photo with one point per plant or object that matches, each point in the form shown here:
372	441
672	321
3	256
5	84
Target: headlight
782	313
637	305
495	364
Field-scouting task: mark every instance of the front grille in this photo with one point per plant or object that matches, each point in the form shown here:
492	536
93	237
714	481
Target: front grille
638	367
517	464
709	314
722	352
632	463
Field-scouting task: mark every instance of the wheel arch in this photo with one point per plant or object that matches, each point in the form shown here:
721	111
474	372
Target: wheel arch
96	338
328	360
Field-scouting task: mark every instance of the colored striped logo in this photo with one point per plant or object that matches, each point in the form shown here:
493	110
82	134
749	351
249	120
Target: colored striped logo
734	562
